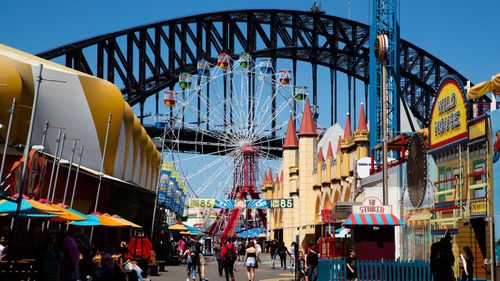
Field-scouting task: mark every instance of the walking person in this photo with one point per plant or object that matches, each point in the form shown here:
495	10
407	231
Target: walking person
282	252
272	250
292	256
468	264
251	261
351	266
229	255
258	247
191	261
201	262
312	264
217	256
241	250
181	246
301	264
442	259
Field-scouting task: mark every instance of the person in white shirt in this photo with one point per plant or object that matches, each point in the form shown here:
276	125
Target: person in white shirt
258	247
3	248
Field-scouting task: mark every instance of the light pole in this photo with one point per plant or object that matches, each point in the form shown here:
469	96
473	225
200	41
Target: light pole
159	181
49	190
70	166
22	181
7	138
101	170
54	187
76	177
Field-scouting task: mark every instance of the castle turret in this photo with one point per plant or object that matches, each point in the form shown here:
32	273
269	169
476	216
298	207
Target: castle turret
307	162
289	186
338	161
319	168
329	161
361	137
347	143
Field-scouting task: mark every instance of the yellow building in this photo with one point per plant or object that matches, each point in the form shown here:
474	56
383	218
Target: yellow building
315	182
462	197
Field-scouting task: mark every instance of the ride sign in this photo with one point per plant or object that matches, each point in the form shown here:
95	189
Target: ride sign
281	203
201	203
449	114
372	205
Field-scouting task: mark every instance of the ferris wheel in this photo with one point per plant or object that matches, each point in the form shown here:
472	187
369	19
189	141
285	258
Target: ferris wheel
217	114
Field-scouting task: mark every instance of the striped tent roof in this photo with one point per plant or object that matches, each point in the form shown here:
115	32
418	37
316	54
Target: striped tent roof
373	219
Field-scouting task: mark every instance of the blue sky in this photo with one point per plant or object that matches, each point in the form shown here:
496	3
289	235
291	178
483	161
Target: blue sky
461	33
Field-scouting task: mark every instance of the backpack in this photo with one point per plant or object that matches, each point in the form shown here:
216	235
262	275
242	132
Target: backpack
229	255
194	252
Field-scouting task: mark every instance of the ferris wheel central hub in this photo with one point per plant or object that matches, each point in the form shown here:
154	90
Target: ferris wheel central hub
249	149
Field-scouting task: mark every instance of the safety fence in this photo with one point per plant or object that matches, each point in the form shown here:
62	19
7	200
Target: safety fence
368	270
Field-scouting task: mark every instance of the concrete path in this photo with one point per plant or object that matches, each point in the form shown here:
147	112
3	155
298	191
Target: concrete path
263	273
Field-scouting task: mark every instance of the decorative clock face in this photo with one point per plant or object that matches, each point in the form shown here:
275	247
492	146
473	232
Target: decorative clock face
416	170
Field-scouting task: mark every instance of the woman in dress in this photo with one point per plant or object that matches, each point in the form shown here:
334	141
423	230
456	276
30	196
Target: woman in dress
251	259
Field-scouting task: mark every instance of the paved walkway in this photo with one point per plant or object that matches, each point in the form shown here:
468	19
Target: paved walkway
263	273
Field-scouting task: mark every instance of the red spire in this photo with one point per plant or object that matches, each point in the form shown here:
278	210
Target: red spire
277	180
338	145
329	153
281	176
347	129
362	119
320	156
270	175
291	135
265	177
307	127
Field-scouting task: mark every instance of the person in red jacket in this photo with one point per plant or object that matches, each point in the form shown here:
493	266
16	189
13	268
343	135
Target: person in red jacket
228	256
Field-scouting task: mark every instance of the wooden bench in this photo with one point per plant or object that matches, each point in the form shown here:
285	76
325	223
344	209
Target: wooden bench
153	269
131	275
161	266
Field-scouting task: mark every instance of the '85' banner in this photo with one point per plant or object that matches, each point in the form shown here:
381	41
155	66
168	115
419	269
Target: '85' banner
240	204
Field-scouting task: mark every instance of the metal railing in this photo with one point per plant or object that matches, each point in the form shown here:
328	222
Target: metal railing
336	270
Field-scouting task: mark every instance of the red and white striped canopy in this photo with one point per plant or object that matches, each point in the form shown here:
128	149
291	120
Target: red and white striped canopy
373	219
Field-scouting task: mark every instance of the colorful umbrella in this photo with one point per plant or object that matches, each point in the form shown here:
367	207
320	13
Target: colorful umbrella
96	219
69	214
127	222
193	230
28	206
178	226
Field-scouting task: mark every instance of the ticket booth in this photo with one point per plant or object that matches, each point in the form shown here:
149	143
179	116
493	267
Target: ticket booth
372	230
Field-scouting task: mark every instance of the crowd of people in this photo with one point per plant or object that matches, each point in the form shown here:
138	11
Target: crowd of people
69	255
303	262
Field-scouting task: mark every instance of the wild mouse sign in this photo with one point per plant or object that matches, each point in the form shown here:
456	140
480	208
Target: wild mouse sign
372	205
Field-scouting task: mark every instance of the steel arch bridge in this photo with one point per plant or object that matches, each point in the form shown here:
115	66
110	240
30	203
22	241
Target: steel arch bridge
147	59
